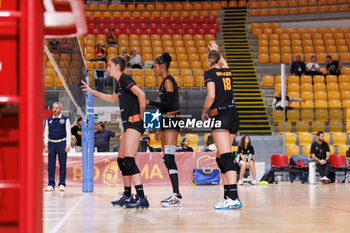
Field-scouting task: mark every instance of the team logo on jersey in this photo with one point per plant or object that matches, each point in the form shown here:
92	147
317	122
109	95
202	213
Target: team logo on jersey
62	121
151	120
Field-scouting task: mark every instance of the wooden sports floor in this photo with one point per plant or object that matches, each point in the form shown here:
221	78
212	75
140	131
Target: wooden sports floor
275	208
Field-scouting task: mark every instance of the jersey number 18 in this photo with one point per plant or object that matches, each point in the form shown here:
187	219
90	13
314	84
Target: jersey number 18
227	84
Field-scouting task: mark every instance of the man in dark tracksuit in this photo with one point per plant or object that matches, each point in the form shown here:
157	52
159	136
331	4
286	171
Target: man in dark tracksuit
57	137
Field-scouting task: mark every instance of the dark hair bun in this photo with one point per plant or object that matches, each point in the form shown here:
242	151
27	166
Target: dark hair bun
167	57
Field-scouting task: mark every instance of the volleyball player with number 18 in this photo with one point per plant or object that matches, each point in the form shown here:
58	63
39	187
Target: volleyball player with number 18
220	102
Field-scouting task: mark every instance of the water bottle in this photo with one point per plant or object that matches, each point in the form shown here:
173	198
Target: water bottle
312	173
95	149
336	179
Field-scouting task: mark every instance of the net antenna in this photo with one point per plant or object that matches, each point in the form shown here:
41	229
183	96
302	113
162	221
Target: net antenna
64	22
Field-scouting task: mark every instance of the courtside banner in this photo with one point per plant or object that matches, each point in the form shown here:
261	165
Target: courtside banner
151	165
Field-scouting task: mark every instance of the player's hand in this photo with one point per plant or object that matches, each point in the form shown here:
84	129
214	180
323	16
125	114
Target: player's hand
213	46
147	102
85	87
204	116
117	134
46	150
67	149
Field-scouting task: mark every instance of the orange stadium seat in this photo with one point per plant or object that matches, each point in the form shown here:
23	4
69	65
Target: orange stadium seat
302	126
318	126
321	114
307	114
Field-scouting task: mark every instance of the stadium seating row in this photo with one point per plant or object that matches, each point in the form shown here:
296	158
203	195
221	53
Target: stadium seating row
306	138
294	3
138	14
270	80
177	6
304	126
150	20
299	10
308	114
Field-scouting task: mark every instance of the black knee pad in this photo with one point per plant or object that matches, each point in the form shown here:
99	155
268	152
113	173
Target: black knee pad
122	167
131	166
169	161
222	169
227	161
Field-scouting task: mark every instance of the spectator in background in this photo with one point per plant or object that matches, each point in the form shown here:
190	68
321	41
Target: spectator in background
135	60
76	130
148	140
210	144
333	67
66	46
73	145
298	67
277	102
102	137
125	55
100	76
313	68
320	152
112	39
185	146
246	161
100	54
54	46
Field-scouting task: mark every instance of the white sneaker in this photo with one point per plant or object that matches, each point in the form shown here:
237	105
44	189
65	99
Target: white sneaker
228	204
221	205
49	189
324	178
253	182
240	182
62	188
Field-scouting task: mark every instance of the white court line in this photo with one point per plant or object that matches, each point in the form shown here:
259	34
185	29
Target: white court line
66	216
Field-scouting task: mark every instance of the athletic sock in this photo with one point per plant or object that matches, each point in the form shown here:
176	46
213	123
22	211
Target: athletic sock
174	178
139	190
127	191
232	191
226	194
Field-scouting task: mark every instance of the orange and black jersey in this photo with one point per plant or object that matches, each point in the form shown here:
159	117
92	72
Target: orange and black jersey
128	101
169	101
223	87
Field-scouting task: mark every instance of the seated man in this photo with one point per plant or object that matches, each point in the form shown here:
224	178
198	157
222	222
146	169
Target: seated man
313	68
320	153
333	67
298	67
277	102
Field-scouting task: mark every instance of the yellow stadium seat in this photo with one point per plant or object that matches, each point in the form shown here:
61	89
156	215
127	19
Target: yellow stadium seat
275	58
184	65
306	87
321	104
335	126
193	138
321	114
302	126
188	81
268	80
307	114
345	95
339	138
333	95
291	138
173	65
345	57
345	86
335	114
288	126
305	138
277	115
318	126
319	87
150	81
263	58
306	150
293	115
49	78
342	149
293	150
307	95
334	104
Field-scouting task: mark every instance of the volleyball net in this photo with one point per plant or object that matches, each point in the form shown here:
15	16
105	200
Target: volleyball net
66	57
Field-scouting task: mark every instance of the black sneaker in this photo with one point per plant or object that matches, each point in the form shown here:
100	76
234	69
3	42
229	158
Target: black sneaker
138	203
123	200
